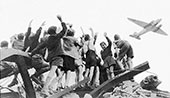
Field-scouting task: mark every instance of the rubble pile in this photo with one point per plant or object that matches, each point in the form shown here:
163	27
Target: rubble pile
147	88
132	89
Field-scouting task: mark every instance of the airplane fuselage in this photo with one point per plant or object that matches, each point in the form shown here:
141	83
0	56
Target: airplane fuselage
150	27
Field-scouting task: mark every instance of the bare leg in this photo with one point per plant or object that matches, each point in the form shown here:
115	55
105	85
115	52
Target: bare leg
57	79
48	79
97	75
80	73
59	84
108	73
120	64
111	72
87	72
130	63
91	74
68	77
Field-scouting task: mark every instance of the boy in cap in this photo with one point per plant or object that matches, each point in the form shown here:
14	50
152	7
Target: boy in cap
125	50
52	44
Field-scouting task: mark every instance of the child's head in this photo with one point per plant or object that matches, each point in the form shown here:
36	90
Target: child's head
52	30
20	36
116	37
103	45
4	44
87	37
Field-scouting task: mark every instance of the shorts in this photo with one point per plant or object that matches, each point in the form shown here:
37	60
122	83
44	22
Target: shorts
126	50
109	61
91	58
69	63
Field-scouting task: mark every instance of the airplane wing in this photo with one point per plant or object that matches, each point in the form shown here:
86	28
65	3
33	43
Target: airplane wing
161	32
140	23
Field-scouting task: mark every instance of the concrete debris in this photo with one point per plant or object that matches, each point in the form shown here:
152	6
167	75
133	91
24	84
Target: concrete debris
71	95
131	89
87	96
150	82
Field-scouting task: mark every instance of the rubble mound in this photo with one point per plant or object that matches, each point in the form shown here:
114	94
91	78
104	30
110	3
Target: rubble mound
131	89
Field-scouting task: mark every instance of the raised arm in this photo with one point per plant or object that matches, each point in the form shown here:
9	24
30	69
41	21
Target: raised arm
27	34
92	35
82	31
64	27
28	30
38	32
95	38
92	32
107	38
82	37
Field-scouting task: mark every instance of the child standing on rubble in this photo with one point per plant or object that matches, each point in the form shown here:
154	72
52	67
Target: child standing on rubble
52	43
106	55
125	51
90	56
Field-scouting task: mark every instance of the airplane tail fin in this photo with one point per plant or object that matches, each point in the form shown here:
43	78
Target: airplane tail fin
134	35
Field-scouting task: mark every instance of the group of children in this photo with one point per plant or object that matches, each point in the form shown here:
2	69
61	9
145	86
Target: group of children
61	53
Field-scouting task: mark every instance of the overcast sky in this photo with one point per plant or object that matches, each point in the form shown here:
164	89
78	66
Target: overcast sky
103	16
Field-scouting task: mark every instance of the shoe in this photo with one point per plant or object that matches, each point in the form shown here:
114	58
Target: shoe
14	82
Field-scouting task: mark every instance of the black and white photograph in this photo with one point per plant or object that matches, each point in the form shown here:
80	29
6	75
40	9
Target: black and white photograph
84	49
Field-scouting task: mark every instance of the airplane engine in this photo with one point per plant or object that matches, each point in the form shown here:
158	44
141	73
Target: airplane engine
154	24
157	28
